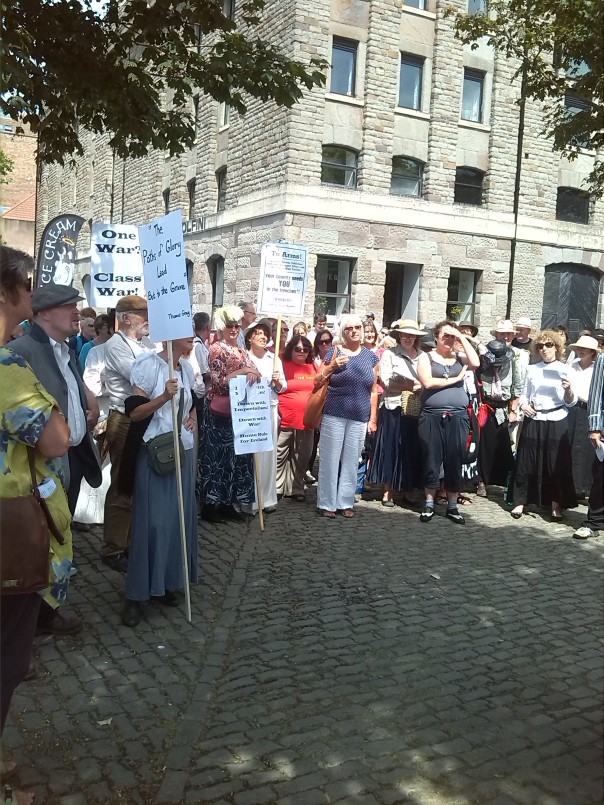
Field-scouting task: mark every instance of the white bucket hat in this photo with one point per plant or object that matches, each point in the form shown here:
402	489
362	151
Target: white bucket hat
524	321
586	342
503	326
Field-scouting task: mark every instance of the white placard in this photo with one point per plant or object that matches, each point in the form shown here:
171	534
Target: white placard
165	270
251	413
115	263
283	278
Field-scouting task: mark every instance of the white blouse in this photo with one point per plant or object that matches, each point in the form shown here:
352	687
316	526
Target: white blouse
265	367
150	373
394	362
582	380
543	390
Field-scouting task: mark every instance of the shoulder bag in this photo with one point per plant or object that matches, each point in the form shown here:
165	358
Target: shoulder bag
316	402
161	448
25	540
410	400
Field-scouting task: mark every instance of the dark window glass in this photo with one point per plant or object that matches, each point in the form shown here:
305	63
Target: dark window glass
407	177
191	185
410	83
166	197
333	283
343	66
473	90
572	205
221	182
339	166
468	186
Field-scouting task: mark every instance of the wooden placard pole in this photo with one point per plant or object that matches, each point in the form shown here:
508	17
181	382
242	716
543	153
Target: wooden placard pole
259	490
181	505
277	342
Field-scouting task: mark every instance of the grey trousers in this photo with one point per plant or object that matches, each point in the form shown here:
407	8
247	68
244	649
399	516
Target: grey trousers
294	448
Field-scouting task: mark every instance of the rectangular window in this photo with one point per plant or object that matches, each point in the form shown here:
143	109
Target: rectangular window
166	197
332	291
343	66
196	115
410	83
224	115
221	182
217	280
407	177
228	8
473	91
191	186
477	7
461	295
421	4
572	205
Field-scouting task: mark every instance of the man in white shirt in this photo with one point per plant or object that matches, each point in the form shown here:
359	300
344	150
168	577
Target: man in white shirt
120	353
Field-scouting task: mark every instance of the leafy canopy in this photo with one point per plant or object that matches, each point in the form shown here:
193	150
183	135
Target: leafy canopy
66	66
559	45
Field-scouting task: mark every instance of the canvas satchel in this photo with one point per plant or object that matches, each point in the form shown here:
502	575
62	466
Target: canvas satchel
161	448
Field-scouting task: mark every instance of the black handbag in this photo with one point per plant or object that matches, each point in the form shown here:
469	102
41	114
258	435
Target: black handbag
161	448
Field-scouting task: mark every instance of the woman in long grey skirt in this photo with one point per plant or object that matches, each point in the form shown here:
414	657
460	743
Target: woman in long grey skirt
155	565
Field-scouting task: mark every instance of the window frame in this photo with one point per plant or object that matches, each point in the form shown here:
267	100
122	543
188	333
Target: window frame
473	77
470	172
411	60
409	177
458	302
343	300
344	45
325	163
579	196
191	193
221	187
420	5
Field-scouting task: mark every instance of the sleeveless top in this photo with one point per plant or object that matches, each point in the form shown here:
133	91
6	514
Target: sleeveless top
451	398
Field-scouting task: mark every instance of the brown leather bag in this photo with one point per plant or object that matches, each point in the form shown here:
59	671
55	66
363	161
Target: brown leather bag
24	540
313	413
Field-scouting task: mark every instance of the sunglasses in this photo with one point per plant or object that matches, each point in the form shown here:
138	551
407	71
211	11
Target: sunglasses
546	345
326	342
301	349
231	325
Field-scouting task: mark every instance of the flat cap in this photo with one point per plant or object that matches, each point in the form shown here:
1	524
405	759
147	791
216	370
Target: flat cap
131	302
52	295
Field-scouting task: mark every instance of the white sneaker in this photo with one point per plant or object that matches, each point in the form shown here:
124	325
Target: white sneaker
585	533
310	478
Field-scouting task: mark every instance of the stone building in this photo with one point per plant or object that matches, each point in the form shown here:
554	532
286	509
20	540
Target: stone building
399	176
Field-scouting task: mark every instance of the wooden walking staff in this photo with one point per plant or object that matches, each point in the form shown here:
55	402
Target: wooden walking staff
181	504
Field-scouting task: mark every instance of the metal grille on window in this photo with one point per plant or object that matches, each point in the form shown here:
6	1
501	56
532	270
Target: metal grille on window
407	177
339	166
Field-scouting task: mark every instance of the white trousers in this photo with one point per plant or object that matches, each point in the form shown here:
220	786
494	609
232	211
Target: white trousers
340	448
267	463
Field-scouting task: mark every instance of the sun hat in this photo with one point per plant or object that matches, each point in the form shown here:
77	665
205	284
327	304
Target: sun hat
497	354
52	295
503	326
407	326
470	326
586	342
524	321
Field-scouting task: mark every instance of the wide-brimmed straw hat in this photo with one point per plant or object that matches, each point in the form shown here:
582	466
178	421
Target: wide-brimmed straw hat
407	326
503	326
586	342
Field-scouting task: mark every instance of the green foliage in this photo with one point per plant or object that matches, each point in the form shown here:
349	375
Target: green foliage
559	48
6	166
66	66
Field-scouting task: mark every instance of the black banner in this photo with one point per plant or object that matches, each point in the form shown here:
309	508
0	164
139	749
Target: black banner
57	253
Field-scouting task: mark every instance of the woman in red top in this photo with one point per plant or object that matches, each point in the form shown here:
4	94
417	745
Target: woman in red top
295	441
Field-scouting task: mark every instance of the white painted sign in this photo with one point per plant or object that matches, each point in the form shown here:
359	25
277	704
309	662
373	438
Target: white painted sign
165	271
115	264
283	278
251	413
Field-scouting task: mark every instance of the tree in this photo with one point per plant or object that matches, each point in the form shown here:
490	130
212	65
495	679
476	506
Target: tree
559	47
6	166
66	67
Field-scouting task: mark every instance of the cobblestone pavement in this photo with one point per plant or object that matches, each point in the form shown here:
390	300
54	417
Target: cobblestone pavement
374	660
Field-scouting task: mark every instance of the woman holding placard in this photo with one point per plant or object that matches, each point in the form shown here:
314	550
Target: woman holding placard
155	566
271	368
227	480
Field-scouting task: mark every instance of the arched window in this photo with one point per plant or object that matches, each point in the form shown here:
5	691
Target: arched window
339	166
468	186
407	177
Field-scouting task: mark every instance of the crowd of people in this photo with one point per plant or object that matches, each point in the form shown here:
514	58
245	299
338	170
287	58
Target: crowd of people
427	414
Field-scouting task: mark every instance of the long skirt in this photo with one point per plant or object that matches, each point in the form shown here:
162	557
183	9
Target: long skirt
470	469
583	452
544	465
155	557
225	477
495	451
397	458
595	511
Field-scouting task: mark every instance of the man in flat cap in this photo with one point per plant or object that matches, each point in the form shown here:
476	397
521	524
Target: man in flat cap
120	353
56	318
